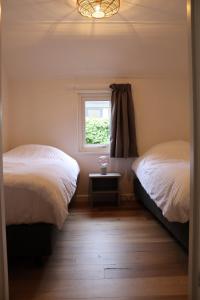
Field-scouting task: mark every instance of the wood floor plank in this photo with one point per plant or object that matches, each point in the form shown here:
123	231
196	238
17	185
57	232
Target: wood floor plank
111	255
121	288
59	296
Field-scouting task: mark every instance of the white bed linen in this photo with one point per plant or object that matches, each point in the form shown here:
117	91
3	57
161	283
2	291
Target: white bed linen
164	173
39	182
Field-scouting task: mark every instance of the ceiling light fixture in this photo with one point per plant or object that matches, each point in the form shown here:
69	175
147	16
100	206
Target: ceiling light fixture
98	8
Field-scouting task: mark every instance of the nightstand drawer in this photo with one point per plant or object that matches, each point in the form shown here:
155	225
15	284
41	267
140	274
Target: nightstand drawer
104	189
99	184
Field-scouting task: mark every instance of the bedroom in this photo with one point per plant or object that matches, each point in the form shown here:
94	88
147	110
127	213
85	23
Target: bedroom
52	55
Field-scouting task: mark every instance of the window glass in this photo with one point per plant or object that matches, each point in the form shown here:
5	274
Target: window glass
94	121
97	122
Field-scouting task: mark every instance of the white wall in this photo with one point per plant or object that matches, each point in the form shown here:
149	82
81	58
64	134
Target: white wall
46	112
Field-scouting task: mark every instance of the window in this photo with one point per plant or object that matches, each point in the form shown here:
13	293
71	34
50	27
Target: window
95	113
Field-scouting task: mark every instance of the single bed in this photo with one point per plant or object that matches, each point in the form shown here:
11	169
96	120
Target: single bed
39	183
162	184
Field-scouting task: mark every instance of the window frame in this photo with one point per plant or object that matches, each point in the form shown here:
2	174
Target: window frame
91	95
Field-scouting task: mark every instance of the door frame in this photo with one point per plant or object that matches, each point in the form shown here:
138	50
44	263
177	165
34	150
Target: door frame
4	291
193	7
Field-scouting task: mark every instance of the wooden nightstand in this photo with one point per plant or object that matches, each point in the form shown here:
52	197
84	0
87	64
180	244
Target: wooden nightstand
104	189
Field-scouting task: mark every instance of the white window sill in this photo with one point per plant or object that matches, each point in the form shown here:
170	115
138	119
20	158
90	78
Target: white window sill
94	149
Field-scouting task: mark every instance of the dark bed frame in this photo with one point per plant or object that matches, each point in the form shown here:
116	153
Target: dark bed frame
33	240
178	230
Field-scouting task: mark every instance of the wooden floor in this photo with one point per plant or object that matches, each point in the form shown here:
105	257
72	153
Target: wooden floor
108	254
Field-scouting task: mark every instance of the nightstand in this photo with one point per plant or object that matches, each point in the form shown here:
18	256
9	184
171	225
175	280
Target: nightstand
104	189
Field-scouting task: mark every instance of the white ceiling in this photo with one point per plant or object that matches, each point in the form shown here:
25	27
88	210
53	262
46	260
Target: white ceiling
50	39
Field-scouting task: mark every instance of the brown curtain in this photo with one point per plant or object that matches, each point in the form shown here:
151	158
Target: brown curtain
123	135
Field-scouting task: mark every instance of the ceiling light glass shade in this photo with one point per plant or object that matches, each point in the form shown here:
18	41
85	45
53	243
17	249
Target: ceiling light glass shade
98	8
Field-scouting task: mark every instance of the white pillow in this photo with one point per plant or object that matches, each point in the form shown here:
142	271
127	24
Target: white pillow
173	150
34	151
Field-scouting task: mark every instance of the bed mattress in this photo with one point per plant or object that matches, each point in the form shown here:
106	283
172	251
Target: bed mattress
39	182
164	173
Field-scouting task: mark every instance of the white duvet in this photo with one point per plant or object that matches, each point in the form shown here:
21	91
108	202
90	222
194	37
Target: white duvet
164	172
39	182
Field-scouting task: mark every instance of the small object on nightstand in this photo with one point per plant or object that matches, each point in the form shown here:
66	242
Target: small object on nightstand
104	189
103	162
